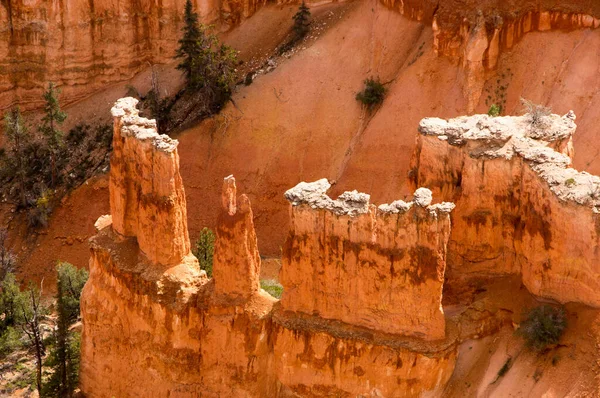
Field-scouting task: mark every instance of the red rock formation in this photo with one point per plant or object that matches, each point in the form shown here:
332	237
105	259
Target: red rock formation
479	44
83	46
381	268
474	35
153	329
236	264
147	199
520	208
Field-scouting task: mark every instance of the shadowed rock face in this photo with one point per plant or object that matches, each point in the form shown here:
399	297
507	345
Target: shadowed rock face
520	208
381	268
155	326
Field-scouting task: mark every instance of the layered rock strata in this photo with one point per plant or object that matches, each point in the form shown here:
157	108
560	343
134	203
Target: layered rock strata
147	199
520	207
83	46
156	327
378	267
475	36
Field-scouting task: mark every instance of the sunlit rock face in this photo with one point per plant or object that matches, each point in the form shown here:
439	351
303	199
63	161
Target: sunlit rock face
147	199
378	267
83	46
520	207
154	325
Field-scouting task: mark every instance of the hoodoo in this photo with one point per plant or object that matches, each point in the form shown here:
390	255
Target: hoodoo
363	287
520	207
364	248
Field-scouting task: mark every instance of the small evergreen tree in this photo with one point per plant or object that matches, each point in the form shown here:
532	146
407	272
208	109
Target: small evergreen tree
51	122
208	66
301	22
64	357
11	301
204	250
190	44
18	138
373	93
544	326
32	312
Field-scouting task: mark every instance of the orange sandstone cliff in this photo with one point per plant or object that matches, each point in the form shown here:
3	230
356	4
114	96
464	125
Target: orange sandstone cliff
475	33
520	207
381	268
83	46
155	326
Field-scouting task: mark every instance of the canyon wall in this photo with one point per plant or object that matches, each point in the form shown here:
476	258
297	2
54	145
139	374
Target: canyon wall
474	35
337	248
83	46
154	325
520	207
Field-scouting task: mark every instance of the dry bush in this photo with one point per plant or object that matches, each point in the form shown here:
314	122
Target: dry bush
537	113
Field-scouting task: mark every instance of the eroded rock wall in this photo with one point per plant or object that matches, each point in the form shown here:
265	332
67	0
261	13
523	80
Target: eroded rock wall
520	208
156	329
83	46
147	198
475	34
381	268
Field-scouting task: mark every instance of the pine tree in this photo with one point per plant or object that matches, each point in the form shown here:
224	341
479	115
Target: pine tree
64	357
204	250
301	21
32	312
53	118
190	44
208	66
18	137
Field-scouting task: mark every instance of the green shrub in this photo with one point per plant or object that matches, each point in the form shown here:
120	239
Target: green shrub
38	215
272	287
10	340
495	110
569	182
204	249
544	326
11	302
373	93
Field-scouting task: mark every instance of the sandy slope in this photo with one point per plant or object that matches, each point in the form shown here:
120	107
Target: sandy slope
301	121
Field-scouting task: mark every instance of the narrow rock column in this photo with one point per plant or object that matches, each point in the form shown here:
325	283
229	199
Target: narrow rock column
236	264
147	198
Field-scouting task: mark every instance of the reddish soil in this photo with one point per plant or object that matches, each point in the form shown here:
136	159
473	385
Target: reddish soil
301	121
